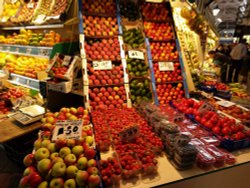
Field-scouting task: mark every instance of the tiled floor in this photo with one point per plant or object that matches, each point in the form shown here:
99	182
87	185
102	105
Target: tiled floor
10	172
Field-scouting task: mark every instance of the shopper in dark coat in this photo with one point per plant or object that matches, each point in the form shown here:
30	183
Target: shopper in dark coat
237	54
220	60
245	68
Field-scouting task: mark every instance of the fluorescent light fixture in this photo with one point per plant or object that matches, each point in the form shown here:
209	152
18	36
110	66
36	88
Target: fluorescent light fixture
219	20
216	11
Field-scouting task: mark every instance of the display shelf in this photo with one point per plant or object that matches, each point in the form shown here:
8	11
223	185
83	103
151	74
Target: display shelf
24	81
168	174
38	51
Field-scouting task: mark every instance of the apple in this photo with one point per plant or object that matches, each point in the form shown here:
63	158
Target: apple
52	147
70	183
43	184
50	120
70	159
92	170
60	143
56	183
77	150
64	110
34	179
42	153
89	140
89	153
57	159
54	155
72	117
24	182
71	142
80	110
94	181
82	163
58	169
91	163
71	171
44	166
82	177
45	143
29	159
73	110
47	126
29	170
37	144
64	151
46	135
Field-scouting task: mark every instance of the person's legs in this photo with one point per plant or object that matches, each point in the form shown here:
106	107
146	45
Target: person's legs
231	70
238	66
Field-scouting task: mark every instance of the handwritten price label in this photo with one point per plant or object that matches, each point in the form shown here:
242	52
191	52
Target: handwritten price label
129	133
133	54
225	103
102	65
68	129
44	52
166	66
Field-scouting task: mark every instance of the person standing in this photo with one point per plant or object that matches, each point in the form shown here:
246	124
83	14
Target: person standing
220	60
237	54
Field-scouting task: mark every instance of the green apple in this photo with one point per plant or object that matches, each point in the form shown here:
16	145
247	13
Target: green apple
58	169
77	150
29	170
51	147
70	183
64	151
71	143
82	163
70	159
43	184
44	166
53	155
56	183
82	177
37	144
45	143
71	171
57	159
42	153
91	163
89	140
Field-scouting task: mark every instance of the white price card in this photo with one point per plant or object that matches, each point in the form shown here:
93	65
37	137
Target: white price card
205	107
102	65
30	5
28	50
13	1
166	66
133	54
8	48
68	129
1	48
44	52
40	18
225	103
129	133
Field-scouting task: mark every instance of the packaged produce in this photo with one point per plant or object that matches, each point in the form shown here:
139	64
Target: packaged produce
204	159
217	154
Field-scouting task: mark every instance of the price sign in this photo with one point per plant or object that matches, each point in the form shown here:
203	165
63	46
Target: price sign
13	1
129	133
17	49
30	5
133	54
68	129
1	48
8	48
179	117
44	52
166	66
28	50
206	107
102	65
225	103
40	18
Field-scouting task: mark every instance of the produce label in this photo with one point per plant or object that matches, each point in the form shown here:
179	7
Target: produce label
206	107
129	133
28	50
30	5
102	65
166	66
225	103
133	54
68	129
13	1
40	18
44	52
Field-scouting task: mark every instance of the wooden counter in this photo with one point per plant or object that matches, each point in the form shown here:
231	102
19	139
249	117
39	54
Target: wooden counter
169	176
10	129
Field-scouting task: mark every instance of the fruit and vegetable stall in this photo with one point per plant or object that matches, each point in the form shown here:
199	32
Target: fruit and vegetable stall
127	118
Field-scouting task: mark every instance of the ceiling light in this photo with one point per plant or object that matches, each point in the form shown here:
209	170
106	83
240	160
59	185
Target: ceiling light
216	11
219	20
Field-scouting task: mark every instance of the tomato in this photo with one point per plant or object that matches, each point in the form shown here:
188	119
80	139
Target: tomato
198	118
216	130
226	131
235	128
208	124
